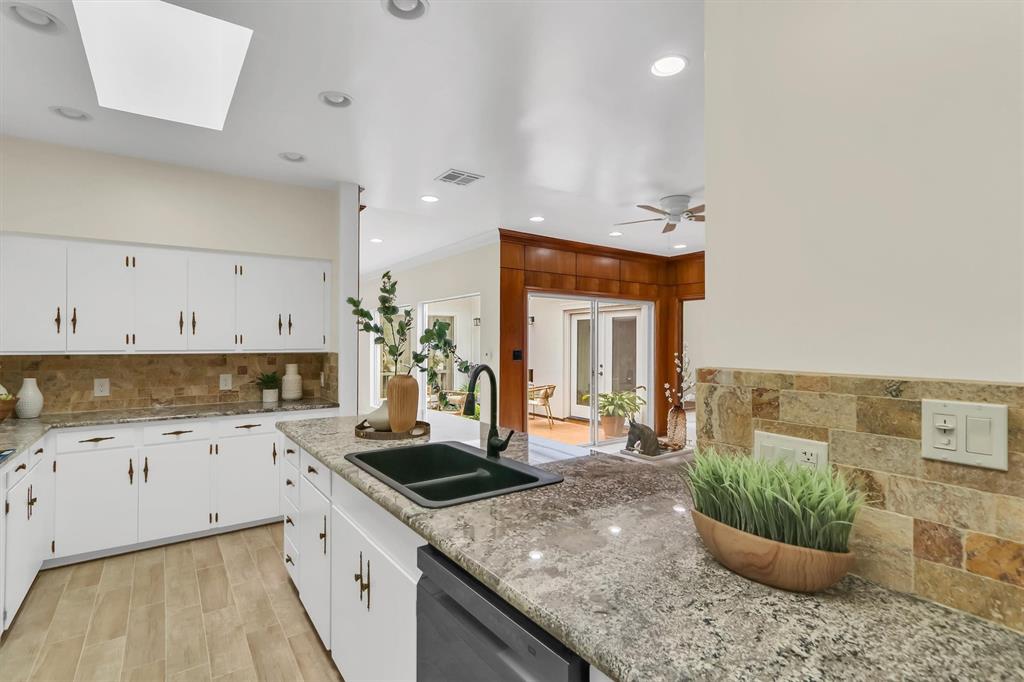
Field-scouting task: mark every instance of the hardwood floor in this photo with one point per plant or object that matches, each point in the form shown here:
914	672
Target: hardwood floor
219	608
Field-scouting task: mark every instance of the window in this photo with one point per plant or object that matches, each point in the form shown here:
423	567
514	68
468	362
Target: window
385	365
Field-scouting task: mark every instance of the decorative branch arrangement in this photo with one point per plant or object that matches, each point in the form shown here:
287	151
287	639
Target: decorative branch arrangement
686	379
392	334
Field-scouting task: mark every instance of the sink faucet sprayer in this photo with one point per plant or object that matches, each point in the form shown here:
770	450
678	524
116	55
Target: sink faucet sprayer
495	445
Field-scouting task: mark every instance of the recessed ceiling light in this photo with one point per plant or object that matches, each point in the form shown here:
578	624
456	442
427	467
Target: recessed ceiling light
158	59
429	198
668	66
294	157
71	113
34	18
405	9
679	246
376	240
333	98
615	234
537	219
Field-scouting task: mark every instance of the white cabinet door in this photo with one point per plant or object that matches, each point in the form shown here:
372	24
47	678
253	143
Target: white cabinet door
261	316
44	490
315	553
373	629
245	479
174	497
33	294
21	557
161	286
305	287
210	321
97	500
100	296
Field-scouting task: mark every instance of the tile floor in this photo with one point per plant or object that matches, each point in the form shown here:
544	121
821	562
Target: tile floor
217	608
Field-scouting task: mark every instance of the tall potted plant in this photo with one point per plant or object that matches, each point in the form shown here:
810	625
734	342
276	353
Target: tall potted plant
676	396
615	408
390	329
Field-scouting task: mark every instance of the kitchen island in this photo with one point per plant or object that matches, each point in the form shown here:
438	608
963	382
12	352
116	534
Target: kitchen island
609	563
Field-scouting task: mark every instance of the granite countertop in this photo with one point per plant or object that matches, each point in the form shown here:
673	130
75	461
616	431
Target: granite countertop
623	580
22	433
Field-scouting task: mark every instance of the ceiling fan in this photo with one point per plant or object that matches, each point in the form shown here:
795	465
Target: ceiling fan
674	208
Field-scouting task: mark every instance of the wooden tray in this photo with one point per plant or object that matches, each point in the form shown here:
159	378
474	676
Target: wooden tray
364	430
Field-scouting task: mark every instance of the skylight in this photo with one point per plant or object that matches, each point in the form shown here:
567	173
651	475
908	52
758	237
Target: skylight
156	59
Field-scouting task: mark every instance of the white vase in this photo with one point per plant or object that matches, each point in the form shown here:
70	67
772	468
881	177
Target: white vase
30	400
291	383
379	419
270	396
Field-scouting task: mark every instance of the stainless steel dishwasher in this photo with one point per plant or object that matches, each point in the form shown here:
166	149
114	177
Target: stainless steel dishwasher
464	632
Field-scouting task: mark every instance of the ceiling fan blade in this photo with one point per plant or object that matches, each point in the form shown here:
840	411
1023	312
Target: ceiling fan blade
696	218
668	227
651	208
696	209
646	220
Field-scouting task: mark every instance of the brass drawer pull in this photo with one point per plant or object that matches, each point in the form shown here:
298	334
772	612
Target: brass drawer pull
288	481
248	426
20	467
289	451
288	520
288	560
56	320
145	471
273	453
181	322
38	452
180	432
289	324
193	323
97	439
280	324
131	473
74	319
311	470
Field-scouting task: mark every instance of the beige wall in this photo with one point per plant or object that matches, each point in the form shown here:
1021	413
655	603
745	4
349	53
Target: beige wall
58	190
864	187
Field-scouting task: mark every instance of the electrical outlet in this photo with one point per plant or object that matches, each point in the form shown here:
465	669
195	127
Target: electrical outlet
225	382
795	451
101	388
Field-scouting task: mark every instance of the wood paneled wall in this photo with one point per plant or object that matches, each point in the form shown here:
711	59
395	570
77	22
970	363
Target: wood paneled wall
533	263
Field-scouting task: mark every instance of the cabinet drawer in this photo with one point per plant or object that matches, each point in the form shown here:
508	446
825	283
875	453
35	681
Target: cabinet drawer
291	561
291	453
247	426
87	440
175	432
291	522
290	485
16	468
317	473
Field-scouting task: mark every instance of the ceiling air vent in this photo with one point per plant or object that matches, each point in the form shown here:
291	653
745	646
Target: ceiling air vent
457	177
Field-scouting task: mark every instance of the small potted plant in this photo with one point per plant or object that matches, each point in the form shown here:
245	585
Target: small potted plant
773	522
616	408
271	385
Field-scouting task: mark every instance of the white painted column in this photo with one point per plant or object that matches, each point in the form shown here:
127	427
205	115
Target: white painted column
347	284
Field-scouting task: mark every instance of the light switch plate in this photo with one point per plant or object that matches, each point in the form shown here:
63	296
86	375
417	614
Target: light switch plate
945	435
101	388
225	382
796	451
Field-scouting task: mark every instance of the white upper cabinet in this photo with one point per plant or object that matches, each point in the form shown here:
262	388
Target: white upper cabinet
34	316
261	316
161	288
210	321
305	291
101	297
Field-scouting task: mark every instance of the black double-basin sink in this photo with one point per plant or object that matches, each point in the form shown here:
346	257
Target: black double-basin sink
444	474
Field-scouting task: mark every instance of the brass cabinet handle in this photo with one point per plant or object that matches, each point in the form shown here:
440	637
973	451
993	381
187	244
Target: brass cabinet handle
289	324
289	481
56	320
288	520
38	452
97	439
74	319
310	470
193	323
280	324
288	560
20	467
289	451
364	586
273	453
181	322
248	426
177	433
131	472
145	471
323	536
30	503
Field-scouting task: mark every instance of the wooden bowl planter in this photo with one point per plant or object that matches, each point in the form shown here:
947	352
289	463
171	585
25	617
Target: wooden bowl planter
787	567
7	407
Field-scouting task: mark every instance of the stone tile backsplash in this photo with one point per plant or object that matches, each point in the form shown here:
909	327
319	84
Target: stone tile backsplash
141	381
950	533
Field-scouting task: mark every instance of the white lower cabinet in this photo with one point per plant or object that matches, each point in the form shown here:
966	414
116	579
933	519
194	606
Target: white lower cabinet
174	497
373	609
246	479
315	550
97	500
25	525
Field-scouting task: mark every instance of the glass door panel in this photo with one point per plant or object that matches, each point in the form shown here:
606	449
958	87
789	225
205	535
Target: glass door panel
581	371
622	371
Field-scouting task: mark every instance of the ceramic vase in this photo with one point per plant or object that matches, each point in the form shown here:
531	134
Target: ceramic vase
291	384
30	400
675	434
403	402
270	396
378	419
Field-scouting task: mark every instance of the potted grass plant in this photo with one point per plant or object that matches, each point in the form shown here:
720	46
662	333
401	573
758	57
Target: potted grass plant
772	522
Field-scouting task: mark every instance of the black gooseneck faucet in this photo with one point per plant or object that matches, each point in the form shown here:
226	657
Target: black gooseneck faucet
495	445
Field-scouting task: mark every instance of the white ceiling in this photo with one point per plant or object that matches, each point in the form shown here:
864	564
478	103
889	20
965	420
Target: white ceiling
553	102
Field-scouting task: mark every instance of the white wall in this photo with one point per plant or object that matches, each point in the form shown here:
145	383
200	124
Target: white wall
695	333
548	350
471	272
864	187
